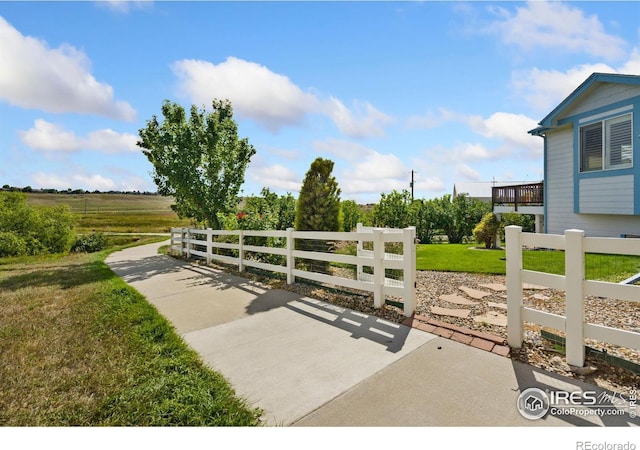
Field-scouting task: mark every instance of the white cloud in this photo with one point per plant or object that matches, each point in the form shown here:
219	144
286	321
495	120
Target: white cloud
124	6
544	89
559	27
49	137
274	176
367	121
349	150
467	172
109	141
366	171
269	98
46	136
76	181
431	119
511	130
53	80
471	151
255	92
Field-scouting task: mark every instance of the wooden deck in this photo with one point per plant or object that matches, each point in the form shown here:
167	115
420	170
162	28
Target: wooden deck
518	195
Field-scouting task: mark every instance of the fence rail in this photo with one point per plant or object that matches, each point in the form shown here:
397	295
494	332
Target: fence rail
576	288
232	247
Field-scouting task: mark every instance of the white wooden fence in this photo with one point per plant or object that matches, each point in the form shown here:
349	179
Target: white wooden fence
576	287
197	242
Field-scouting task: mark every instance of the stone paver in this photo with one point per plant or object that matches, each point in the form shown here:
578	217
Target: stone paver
495	287
502	350
462	313
540	297
497	305
463	338
493	318
482	344
533	287
463	330
474	293
457	299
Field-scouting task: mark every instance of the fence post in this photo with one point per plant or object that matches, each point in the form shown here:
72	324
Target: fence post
378	269
409	269
359	249
290	261
188	232
515	329
209	245
574	299
240	251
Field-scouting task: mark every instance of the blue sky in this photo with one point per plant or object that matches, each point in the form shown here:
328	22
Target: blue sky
447	89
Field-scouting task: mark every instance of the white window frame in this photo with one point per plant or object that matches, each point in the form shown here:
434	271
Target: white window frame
626	152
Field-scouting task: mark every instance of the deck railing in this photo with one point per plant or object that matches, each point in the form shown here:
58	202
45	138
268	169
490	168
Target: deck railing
519	195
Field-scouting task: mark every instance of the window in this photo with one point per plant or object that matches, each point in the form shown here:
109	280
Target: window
607	144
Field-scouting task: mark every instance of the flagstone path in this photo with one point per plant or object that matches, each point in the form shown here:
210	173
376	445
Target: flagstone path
473	297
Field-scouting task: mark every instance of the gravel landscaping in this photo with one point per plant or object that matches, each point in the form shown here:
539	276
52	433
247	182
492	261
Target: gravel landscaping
537	351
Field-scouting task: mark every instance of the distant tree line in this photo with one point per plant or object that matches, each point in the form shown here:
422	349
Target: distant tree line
29	189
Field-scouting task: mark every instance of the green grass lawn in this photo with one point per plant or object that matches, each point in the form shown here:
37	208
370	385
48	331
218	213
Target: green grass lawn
467	258
79	347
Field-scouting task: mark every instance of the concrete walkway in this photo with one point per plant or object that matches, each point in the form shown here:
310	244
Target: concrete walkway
309	363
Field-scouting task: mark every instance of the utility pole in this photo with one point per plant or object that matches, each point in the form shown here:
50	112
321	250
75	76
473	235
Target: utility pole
412	184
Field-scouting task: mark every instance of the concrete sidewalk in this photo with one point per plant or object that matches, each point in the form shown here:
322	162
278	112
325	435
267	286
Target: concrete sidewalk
309	363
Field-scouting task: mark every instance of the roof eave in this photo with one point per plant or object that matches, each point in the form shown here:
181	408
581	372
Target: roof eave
548	121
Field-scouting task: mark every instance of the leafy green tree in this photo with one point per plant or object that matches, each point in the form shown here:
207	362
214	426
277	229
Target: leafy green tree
423	217
199	160
318	209
287	212
26	229
457	217
393	210
351	215
526	221
486	231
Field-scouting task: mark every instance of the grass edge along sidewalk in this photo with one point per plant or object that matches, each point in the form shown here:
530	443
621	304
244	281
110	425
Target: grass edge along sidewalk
79	347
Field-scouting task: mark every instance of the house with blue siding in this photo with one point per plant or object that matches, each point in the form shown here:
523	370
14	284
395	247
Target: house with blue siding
592	159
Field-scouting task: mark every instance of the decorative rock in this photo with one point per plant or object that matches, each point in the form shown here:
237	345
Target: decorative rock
462	313
557	363
583	371
493	318
474	293
454	298
495	287
540	297
533	287
497	305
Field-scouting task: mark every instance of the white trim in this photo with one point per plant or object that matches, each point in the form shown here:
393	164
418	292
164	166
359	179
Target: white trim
605	114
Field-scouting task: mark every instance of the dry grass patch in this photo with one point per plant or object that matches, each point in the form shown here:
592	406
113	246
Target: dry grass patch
80	347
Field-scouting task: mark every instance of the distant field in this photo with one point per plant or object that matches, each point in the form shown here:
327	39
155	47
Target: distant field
124	213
